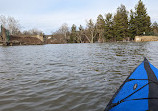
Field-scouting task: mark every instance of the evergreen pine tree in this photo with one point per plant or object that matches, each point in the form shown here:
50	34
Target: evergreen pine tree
100	27
121	23
73	35
142	19
155	28
132	25
109	34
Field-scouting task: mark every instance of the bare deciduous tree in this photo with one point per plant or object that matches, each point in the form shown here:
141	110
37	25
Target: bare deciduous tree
11	24
90	31
64	29
33	32
3	21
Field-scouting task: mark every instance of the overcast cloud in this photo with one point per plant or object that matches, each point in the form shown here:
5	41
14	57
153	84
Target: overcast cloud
49	15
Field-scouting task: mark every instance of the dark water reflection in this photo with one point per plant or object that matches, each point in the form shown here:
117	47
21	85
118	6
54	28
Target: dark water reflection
67	77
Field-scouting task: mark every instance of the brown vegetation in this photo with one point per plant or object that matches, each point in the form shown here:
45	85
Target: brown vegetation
56	39
146	38
25	40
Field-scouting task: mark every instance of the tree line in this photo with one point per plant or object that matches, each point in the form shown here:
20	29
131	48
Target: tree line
123	25
14	27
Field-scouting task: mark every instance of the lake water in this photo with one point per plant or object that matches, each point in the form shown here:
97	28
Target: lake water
67	77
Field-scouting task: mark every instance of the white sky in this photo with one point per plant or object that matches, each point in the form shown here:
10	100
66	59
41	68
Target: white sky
49	15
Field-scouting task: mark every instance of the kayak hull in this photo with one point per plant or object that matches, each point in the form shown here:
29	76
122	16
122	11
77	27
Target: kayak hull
139	92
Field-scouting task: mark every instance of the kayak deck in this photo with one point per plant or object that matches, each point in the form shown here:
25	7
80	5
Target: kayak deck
139	92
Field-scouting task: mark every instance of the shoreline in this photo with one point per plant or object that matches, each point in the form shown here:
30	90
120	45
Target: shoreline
34	40
74	43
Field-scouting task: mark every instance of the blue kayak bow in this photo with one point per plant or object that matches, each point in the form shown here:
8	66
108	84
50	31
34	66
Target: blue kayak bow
139	92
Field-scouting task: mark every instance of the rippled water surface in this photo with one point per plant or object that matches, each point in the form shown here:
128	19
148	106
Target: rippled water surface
67	77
